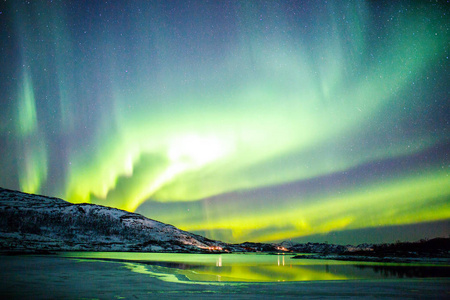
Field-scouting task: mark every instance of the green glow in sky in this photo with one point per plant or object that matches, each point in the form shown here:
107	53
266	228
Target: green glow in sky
180	108
33	165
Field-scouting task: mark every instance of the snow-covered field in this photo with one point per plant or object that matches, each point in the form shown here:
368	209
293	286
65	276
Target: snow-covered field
53	277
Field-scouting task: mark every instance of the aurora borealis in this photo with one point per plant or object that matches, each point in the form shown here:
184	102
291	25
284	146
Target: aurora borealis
239	120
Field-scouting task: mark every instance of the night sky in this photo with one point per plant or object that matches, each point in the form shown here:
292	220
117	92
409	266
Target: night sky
239	120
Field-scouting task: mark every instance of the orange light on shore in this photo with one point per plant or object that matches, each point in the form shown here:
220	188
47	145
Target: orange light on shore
281	248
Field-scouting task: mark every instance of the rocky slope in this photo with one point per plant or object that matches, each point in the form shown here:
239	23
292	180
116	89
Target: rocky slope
38	223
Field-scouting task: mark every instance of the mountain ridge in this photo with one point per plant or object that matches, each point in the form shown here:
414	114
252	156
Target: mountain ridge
39	223
34	223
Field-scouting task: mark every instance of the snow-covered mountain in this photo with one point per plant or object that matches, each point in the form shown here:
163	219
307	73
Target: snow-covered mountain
39	223
33	223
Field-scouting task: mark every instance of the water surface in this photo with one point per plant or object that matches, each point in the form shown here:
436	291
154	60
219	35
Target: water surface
259	267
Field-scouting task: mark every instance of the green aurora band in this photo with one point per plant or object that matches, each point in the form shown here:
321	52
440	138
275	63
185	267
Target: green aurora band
200	116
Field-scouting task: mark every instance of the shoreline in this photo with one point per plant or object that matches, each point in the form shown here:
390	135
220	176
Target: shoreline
439	260
379	259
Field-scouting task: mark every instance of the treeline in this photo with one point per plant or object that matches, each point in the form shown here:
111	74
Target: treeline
433	247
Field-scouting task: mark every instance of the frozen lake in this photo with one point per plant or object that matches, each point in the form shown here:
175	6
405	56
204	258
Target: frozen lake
179	276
